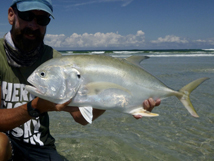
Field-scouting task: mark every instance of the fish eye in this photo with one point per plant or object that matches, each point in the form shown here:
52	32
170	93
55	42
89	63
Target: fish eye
42	74
79	76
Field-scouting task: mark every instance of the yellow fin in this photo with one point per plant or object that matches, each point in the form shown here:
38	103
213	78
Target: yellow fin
185	93
143	112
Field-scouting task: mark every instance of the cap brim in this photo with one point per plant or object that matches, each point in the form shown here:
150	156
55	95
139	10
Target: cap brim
28	6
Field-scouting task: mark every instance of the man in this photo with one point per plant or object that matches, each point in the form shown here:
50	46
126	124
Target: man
24	121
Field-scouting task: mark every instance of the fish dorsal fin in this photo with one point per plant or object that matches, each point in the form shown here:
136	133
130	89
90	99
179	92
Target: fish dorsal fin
136	59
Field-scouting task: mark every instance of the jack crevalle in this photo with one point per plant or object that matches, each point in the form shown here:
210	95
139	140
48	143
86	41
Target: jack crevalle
103	82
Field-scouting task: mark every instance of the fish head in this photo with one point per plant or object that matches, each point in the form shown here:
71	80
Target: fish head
56	83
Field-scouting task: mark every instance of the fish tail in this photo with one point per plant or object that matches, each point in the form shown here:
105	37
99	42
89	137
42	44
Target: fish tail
185	92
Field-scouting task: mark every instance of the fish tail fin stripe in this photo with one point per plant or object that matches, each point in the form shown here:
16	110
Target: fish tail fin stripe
185	93
143	112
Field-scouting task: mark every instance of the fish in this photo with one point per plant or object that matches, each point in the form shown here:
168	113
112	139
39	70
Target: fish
104	82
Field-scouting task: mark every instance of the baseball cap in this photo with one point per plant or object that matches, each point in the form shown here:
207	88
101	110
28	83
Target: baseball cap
27	5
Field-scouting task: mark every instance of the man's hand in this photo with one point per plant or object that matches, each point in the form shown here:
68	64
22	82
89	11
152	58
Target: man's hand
149	105
45	106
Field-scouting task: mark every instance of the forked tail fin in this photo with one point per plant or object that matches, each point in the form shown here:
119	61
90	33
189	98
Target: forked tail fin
185	93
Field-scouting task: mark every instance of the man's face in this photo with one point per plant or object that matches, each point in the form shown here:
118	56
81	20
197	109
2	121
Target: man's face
27	36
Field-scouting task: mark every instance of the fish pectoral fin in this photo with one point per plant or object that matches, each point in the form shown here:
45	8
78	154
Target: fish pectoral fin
143	112
87	113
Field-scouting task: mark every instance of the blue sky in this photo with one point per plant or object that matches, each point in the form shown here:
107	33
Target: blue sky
127	24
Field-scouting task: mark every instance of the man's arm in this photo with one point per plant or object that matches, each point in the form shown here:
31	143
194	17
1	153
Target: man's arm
11	118
76	114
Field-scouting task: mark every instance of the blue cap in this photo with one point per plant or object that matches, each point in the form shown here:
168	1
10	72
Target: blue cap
27	5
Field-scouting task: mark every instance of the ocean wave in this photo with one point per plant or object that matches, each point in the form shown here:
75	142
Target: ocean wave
127	52
208	49
150	53
97	52
182	55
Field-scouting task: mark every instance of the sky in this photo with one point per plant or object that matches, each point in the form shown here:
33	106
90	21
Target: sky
127	24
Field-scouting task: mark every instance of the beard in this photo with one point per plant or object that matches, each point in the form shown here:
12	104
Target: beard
22	42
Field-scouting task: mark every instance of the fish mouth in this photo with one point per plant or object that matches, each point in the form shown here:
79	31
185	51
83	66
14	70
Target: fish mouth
33	89
35	92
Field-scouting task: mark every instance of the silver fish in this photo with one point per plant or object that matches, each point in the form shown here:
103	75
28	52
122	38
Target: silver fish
103	82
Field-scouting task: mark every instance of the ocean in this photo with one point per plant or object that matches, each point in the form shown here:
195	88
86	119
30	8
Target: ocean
174	135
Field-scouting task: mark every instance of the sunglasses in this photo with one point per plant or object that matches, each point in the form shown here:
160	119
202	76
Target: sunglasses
29	16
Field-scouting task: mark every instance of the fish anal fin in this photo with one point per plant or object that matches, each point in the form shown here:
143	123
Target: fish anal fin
143	112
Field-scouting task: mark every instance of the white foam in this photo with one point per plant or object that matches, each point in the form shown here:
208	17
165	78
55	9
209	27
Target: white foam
208	49
127	52
182	55
97	52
